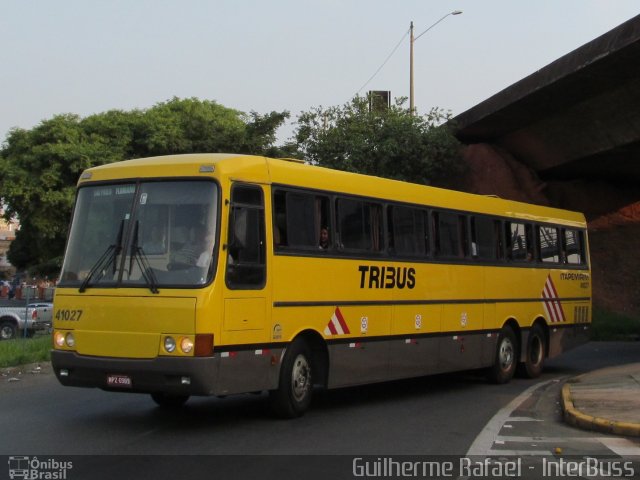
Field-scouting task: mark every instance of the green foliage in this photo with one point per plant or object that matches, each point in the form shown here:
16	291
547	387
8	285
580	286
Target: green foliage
386	142
40	167
607	325
21	351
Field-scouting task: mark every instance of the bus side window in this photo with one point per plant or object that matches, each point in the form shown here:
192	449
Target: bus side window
408	233
391	241
532	255
573	247
548	241
299	219
360	225
499	239
447	235
518	244
246	241
484	242
463	233
435	228
279	220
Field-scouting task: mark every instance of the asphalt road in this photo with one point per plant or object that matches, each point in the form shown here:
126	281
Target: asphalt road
428	416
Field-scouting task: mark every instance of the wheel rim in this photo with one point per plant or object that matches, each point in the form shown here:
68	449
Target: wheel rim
506	354
300	377
6	332
535	352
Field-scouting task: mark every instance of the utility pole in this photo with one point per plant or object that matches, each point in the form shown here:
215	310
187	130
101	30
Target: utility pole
411	105
411	42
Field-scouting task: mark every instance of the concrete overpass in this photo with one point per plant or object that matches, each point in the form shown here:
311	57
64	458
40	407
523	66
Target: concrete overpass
576	118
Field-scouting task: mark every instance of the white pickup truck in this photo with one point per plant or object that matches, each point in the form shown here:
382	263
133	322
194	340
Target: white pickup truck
34	317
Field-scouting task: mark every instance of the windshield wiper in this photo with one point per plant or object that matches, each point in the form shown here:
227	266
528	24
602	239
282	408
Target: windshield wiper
143	263
109	256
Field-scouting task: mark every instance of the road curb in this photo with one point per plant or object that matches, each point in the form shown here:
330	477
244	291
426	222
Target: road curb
575	417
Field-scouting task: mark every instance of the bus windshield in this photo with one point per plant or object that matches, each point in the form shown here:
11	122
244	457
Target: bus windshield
147	234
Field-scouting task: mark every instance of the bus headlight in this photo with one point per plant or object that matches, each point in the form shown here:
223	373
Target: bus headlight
64	339
58	339
169	344
186	344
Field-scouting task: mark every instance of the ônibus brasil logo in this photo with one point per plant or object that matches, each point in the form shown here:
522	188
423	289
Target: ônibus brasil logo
35	469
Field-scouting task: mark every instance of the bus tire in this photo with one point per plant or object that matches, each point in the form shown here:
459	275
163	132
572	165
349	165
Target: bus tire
293	396
506	358
169	401
535	354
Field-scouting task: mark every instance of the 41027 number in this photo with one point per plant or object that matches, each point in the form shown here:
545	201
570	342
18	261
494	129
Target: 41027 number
68	315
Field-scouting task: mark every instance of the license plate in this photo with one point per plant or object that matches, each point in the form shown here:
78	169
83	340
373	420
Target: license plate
119	381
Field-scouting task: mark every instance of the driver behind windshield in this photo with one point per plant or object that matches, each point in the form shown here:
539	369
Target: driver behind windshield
195	252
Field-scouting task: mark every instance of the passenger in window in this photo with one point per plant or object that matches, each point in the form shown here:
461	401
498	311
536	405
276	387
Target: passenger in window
324	238
195	251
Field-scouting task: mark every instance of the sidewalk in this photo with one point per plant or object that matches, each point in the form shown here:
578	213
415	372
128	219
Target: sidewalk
606	400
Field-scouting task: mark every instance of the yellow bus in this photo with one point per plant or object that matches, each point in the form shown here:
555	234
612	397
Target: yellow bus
217	274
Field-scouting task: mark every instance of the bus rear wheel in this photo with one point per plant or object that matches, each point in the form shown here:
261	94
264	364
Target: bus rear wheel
536	353
169	401
293	396
506	359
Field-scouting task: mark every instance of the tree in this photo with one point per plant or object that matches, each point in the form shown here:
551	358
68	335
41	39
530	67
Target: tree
386	142
39	168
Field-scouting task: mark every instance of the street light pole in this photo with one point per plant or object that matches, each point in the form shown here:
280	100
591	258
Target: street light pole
412	40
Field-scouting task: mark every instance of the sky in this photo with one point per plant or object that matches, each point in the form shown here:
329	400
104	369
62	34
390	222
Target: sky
90	56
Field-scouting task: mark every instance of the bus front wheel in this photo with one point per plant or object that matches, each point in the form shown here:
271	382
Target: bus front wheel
293	396
506	358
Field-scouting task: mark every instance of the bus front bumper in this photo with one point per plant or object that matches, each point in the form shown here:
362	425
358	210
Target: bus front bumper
171	375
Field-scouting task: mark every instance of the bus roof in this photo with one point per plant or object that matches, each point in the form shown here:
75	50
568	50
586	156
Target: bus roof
294	173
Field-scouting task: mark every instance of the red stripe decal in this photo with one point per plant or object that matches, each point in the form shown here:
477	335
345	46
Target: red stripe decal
340	318
561	316
332	328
